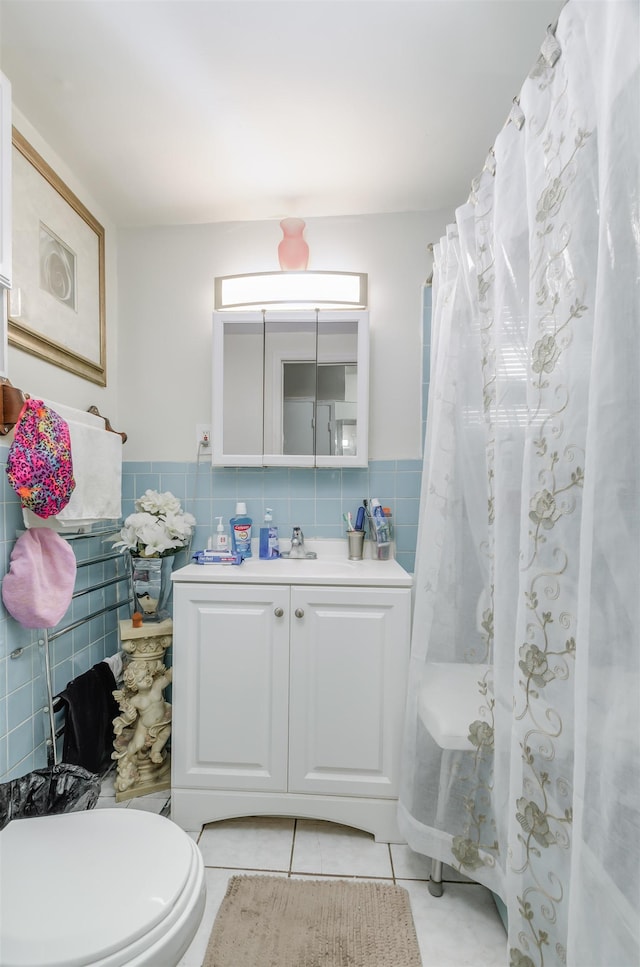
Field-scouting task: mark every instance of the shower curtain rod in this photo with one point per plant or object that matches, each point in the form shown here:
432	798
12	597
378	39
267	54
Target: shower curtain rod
550	52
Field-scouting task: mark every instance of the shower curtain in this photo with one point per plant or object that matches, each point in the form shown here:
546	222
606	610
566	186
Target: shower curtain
528	562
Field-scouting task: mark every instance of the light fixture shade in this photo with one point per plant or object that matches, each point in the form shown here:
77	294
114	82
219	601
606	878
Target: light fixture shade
335	290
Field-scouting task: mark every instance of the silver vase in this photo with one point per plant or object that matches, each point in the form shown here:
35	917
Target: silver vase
152	587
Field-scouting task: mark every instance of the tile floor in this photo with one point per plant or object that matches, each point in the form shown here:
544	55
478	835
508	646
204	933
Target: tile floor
460	929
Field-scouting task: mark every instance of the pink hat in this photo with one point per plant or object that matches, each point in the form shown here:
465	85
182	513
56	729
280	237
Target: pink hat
39	465
38	586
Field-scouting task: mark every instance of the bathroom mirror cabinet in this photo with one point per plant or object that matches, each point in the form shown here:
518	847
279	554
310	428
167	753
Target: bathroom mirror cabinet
290	388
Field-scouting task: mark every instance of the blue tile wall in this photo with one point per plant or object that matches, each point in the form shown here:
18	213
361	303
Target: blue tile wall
22	687
313	499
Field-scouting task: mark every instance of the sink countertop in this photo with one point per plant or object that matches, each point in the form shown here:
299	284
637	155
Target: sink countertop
330	567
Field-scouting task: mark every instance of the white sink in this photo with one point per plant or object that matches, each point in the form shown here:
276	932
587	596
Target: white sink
331	566
317	565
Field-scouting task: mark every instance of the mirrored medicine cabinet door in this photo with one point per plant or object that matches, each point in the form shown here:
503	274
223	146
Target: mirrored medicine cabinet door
290	388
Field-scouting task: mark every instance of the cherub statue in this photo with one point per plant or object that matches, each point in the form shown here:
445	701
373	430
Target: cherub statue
145	712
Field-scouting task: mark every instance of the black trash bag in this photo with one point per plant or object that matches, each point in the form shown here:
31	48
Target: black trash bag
60	789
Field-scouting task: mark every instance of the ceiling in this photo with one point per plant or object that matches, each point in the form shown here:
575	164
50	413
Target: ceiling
191	111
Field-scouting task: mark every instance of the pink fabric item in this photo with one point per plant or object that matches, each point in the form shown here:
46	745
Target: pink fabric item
39	465
38	587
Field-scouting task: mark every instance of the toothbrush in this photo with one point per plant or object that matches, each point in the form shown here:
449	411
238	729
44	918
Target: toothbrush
347	520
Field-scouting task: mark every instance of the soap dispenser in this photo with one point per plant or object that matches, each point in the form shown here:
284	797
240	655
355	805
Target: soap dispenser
222	538
269	547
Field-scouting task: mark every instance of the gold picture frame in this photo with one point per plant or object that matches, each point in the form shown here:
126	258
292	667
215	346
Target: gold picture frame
57	301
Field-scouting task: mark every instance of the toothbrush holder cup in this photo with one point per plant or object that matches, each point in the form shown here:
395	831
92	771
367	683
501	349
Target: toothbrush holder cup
355	541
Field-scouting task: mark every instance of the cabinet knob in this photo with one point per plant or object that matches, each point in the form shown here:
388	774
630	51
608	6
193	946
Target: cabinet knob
279	612
299	613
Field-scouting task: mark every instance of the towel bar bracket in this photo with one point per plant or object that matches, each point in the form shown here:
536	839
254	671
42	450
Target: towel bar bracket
12	400
107	424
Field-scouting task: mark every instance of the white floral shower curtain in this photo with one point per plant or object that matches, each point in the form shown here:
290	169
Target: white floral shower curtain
529	544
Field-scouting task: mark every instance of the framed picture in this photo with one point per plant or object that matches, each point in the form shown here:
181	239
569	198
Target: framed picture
57	301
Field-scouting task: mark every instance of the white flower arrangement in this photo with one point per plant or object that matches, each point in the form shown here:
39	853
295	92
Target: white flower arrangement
158	529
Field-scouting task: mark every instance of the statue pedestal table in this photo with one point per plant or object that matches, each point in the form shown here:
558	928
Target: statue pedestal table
143	727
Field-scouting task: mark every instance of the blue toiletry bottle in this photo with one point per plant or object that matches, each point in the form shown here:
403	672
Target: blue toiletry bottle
241	531
269	544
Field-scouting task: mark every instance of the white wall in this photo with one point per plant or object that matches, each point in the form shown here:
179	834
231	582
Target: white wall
166	302
159	303
39	378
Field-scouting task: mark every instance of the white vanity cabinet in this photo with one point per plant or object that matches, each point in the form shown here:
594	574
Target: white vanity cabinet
288	699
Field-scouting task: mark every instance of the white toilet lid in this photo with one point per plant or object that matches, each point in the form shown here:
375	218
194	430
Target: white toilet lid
77	887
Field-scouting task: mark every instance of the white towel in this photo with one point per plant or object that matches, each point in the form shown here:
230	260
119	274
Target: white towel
116	664
97	469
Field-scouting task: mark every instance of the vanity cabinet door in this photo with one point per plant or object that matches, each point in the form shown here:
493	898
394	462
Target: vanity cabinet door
230	687
348	670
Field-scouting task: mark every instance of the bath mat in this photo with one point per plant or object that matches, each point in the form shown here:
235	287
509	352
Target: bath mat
271	921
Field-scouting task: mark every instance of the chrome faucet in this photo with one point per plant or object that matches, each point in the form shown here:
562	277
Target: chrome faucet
297	543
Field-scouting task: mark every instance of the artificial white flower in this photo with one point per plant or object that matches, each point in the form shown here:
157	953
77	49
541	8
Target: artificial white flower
159	528
156	503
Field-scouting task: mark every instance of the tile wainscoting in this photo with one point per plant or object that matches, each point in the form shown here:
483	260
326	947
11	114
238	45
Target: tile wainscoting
314	500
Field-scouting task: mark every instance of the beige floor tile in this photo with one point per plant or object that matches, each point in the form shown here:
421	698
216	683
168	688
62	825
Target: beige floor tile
153	803
322	847
462	928
109	802
248	844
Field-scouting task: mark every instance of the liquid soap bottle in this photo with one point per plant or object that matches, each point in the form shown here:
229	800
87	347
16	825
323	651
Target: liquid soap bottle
269	543
222	538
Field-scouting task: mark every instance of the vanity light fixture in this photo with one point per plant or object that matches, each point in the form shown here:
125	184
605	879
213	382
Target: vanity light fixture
292	290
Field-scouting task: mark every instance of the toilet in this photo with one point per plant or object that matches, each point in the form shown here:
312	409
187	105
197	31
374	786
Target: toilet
106	887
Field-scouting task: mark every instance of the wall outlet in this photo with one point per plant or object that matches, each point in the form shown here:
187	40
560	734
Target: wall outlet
203	435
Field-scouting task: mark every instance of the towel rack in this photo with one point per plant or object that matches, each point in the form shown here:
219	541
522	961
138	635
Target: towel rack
119	576
107	424
13	399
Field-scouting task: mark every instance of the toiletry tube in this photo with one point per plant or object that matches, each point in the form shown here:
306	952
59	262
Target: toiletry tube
388	516
379	522
381	527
